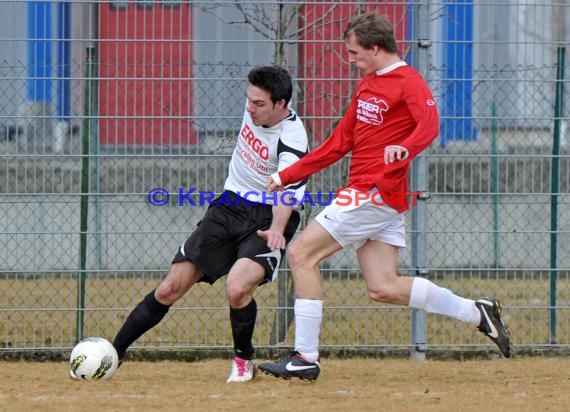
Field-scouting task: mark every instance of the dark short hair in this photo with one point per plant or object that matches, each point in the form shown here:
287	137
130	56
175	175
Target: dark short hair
274	80
371	29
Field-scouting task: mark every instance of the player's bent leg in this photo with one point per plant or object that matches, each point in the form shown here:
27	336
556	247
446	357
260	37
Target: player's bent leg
152	309
147	314
304	255
242	280
378	262
379	265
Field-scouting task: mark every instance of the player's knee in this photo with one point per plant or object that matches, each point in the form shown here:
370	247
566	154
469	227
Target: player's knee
180	278
166	293
237	293
380	295
171	289
296	256
388	293
385	292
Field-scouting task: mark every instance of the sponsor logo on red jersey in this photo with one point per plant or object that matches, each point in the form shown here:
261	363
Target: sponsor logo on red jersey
370	110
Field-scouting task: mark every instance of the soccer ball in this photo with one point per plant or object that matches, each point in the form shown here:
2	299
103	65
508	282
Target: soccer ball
93	359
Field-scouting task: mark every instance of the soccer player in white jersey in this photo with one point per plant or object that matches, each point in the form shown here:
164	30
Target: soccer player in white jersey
241	237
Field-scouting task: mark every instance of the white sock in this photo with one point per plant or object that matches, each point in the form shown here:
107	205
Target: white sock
426	295
308	317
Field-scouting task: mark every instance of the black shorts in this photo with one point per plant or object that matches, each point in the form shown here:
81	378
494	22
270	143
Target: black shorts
228	232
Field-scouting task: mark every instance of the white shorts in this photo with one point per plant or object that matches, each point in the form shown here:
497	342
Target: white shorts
355	217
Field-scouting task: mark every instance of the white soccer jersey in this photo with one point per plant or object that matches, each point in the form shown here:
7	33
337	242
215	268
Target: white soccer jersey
262	151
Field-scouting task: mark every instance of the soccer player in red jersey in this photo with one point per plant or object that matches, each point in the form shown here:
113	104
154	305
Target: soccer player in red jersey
391	119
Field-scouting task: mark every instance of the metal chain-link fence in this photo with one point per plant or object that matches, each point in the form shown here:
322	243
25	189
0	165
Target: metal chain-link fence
104	102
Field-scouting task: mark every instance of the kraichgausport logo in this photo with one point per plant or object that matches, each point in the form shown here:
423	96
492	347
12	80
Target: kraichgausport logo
342	197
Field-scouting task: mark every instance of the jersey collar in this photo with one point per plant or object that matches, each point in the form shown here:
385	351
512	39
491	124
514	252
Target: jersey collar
391	67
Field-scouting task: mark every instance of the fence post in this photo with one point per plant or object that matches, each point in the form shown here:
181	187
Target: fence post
495	185
84	205
554	190
420	25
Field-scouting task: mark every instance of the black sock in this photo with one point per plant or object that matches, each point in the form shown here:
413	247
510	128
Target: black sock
243	323
147	314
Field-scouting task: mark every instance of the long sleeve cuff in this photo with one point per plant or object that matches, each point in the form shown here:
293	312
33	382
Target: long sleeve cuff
406	155
277	179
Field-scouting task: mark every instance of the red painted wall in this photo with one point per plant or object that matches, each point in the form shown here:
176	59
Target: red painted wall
145	63
327	79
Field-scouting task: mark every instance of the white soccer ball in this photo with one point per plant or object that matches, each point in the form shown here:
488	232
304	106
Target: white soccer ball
93	359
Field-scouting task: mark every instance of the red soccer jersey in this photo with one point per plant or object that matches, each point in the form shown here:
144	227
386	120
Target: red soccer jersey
393	106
